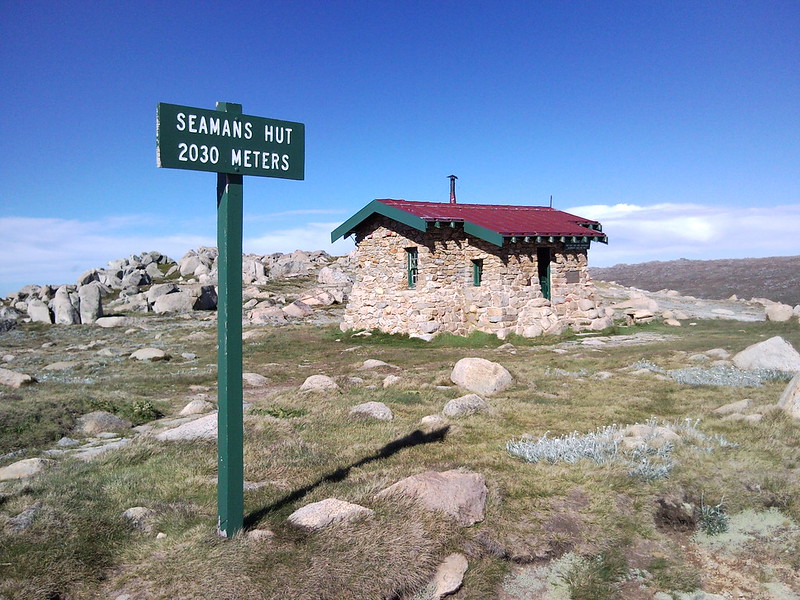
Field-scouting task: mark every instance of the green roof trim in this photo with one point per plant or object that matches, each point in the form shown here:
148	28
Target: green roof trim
377	207
483	233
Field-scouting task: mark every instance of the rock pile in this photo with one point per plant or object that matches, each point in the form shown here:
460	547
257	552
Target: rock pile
153	282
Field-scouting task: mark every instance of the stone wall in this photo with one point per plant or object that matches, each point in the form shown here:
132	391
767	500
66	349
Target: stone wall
509	299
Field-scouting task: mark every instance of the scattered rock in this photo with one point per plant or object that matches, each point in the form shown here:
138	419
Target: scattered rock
737	416
641	315
481	376
325	512
391	380
790	399
461	495
333	276
779	312
7	324
297	310
65	311
203	428
14	379
775	354
510	348
91	305
176	302
107	322
433	422
465	405
449	576
270	315
733	407
140	518
101	421
24	468
63	365
254	380
39	312
196	407
373	410
159	290
319	383
260	535
150	354
373	363
23	520
317	297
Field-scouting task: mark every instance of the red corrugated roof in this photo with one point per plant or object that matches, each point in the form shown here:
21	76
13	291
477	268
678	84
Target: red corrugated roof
507	220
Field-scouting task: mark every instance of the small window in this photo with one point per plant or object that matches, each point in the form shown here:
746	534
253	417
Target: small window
477	272
411	267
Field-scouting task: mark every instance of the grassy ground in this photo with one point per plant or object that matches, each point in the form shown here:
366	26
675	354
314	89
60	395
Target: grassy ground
301	448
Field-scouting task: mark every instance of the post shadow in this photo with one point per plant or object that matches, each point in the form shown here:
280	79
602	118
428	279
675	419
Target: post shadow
415	438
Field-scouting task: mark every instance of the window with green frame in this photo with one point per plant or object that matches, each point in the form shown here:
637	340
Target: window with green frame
412	270
477	272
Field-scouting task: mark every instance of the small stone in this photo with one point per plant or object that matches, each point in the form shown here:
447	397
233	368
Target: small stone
254	380
326	512
24	519
14	379
318	383
196	407
202	428
733	407
150	354
63	365
433	421
790	399
391	380
161	535
465	405
450	575
260	535
188	355
100	421
373	363
24	468
373	410
140	518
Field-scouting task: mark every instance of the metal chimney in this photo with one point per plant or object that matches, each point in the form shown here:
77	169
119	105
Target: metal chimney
452	188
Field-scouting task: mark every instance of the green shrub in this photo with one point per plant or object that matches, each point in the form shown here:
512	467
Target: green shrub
713	519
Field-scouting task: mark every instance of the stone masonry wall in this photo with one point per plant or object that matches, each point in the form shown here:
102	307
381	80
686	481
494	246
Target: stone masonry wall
509	299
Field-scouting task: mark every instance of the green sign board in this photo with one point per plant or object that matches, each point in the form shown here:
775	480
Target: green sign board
222	142
230	144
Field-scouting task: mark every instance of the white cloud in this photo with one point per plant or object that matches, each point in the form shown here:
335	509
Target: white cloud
311	236
55	251
44	250
670	231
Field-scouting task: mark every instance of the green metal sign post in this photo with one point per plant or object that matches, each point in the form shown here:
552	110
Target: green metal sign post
230	144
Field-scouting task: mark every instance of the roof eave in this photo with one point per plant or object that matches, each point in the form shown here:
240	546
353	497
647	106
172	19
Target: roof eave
378	207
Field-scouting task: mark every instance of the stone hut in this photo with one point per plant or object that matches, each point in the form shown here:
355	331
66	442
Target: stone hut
424	268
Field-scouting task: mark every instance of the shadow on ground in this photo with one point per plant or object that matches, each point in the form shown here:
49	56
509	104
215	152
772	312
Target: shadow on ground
415	438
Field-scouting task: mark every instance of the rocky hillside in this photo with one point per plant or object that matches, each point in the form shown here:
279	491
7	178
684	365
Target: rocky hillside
153	282
776	278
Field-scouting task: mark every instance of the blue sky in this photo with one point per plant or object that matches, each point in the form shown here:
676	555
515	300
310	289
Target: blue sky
676	124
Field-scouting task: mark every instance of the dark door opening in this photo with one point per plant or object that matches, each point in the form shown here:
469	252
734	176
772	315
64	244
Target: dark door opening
543	257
